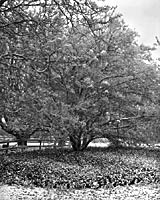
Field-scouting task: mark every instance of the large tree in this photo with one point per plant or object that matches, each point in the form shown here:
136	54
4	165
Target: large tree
75	69
101	80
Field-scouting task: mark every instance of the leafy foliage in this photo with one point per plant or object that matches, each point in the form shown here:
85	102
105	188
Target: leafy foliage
94	168
73	69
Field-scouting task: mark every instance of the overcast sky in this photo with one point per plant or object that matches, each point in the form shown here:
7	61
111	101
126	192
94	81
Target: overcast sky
142	16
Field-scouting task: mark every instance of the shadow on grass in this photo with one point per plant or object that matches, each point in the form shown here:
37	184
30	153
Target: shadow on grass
74	157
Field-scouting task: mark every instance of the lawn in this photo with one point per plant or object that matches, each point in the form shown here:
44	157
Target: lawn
105	172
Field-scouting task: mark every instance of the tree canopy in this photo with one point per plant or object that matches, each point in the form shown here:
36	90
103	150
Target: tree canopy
74	69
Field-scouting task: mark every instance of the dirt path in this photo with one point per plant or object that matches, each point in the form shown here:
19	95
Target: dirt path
151	192
22	193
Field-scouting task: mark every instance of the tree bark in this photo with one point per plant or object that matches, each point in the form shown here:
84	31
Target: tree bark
86	142
75	143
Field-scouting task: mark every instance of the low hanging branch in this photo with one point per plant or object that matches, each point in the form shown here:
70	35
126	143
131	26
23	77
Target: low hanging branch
127	119
5	127
17	133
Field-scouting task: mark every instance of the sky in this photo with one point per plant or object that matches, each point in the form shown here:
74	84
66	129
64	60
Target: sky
143	16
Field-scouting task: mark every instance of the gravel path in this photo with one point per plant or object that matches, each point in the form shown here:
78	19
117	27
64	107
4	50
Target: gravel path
151	192
22	193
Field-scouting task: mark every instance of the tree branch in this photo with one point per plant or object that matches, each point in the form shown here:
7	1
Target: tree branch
38	129
2	2
7	129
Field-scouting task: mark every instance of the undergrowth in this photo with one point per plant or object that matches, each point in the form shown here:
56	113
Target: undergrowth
93	168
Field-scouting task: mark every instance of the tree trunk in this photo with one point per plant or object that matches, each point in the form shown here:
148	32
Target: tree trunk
86	141
22	138
75	143
61	142
22	143
116	143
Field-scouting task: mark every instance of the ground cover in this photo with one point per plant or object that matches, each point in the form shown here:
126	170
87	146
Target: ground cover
96	169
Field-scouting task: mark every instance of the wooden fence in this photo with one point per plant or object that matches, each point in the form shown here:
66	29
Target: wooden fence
12	145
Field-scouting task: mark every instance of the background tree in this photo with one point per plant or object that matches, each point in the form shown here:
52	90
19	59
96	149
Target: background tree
18	81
